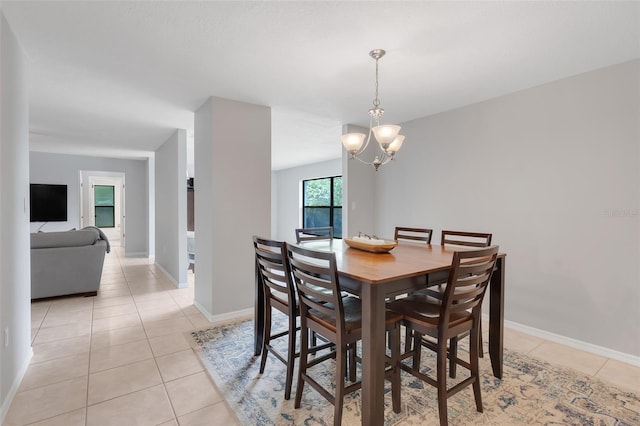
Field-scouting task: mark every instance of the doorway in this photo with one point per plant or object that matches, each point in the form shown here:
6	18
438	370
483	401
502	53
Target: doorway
102	202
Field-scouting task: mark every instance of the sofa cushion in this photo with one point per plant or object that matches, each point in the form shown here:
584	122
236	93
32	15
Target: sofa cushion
83	237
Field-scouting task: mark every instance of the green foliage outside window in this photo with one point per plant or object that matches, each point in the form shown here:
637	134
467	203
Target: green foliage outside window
104	202
322	203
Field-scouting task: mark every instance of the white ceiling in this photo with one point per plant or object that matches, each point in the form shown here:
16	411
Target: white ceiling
117	78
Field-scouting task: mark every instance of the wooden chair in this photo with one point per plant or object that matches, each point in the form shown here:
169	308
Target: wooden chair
279	293
311	234
413	234
458	238
458	313
435	284
336	318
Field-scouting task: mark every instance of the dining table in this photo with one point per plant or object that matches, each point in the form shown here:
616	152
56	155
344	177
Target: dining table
376	276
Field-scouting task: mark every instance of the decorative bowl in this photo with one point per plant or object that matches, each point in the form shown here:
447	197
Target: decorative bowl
378	247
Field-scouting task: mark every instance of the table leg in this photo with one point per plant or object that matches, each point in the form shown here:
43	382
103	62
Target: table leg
373	343
496	317
258	317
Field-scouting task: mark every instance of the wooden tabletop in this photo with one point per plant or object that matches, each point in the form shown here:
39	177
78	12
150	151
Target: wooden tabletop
406	260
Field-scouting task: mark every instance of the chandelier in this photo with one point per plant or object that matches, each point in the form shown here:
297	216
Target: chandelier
389	141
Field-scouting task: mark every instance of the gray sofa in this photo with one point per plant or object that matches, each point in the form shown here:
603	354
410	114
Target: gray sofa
66	263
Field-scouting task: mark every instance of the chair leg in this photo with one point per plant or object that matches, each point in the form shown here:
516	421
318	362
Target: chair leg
441	374
453	356
394	340
473	361
291	357
266	339
417	350
480	348
304	353
341	364
352	361
407	339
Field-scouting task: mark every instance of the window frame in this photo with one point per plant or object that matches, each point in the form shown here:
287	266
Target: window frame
332	207
104	207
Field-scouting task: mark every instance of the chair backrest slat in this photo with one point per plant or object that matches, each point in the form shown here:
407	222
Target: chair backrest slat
315	275
469	239
311	234
468	280
273	269
413	234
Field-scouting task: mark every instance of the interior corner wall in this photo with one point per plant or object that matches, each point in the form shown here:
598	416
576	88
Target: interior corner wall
15	264
232	202
171	208
64	169
358	190
150	206
288	194
554	173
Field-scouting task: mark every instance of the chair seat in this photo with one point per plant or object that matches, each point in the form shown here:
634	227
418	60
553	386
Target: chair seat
352	316
425	310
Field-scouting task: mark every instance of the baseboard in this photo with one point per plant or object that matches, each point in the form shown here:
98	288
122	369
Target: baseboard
4	409
226	317
573	343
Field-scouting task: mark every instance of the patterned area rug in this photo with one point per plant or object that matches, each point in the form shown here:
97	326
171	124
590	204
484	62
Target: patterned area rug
532	392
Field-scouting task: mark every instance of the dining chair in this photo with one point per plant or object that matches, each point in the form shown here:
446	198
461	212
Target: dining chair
278	293
458	313
324	310
311	234
436	282
413	234
458	238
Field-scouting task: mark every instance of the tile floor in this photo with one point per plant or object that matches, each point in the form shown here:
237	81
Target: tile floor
125	357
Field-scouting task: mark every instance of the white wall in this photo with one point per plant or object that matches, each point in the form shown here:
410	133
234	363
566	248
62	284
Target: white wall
171	208
203	206
64	169
287	197
151	203
15	266
233	187
553	173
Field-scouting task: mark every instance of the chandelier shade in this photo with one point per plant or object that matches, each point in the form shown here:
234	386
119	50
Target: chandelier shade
396	144
388	137
385	134
352	142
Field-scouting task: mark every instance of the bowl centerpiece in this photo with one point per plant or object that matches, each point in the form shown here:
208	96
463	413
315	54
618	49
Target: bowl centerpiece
370	243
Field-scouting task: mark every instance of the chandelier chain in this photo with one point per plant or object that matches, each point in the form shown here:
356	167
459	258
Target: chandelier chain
376	101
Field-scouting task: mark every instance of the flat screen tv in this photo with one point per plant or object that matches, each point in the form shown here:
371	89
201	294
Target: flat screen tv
48	202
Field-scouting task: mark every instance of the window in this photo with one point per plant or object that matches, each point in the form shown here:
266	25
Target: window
322	203
104	199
